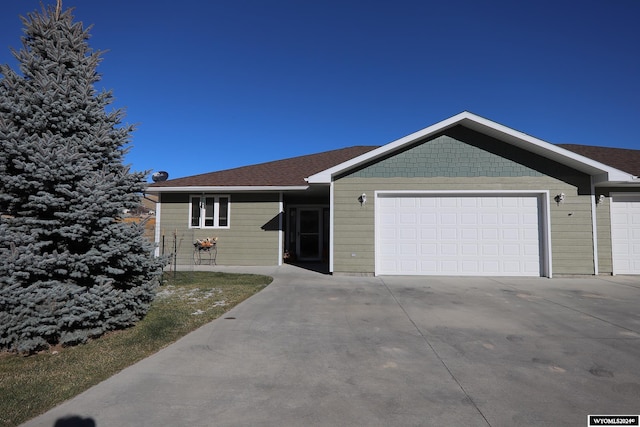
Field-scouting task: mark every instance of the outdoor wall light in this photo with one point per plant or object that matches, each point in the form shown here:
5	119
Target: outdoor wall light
559	198
600	199
362	199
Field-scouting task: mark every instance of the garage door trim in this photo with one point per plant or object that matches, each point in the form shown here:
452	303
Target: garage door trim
544	215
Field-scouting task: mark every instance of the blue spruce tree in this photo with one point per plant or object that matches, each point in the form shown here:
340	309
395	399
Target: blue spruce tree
70	268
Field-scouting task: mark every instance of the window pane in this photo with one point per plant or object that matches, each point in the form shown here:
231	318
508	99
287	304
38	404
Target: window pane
208	212
195	211
223	217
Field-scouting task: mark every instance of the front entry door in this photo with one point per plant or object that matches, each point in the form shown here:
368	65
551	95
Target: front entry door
309	234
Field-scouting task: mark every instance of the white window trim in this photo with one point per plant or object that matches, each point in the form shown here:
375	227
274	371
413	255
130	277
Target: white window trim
216	210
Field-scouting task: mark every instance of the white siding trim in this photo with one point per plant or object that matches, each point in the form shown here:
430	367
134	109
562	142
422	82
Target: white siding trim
331	225
158	229
280	228
594	229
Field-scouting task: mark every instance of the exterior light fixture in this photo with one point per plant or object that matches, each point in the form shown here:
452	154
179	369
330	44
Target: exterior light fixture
559	198
362	199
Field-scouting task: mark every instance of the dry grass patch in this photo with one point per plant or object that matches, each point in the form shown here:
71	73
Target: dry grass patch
32	385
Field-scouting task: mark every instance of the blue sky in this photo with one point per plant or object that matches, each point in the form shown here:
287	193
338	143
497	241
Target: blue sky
219	84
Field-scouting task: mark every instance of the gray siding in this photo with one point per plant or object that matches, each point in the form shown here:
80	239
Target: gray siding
445	156
251	239
462	159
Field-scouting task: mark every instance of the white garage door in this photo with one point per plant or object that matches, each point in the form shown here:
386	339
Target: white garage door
625	233
458	235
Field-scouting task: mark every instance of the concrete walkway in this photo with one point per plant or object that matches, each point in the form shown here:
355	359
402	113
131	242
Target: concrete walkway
319	350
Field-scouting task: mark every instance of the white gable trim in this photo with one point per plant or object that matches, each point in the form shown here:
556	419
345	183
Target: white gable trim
599	171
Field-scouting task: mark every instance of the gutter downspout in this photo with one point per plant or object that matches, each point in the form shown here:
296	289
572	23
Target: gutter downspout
594	229
280	228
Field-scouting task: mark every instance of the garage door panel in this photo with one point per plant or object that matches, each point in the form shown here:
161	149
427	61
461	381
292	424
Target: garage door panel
625	233
408	250
511	267
510	218
407	218
410	266
428	265
448	219
447	202
509	233
449	267
530	219
469	234
427	202
449	249
448	233
509	202
407	233
469	250
468	219
490	250
499	236
488	202
531	267
511	249
489	219
387	219
428	250
469	267
407	202
531	250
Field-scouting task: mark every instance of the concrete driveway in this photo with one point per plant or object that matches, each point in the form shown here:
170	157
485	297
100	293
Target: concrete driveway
317	350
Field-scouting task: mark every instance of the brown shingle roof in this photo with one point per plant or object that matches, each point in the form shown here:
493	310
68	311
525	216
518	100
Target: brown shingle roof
624	159
287	172
292	171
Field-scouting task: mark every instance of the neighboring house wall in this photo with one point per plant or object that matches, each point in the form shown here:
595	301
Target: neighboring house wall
251	239
464	160
603	216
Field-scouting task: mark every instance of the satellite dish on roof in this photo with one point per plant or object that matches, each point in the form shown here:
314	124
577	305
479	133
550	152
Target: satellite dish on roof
160	176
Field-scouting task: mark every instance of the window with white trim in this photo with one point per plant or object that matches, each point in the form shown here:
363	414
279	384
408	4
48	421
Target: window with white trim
209	211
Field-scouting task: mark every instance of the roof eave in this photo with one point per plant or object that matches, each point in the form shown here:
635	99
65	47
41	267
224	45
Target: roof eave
325	176
226	189
487	127
633	183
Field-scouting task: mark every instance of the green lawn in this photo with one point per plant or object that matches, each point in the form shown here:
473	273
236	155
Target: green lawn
32	385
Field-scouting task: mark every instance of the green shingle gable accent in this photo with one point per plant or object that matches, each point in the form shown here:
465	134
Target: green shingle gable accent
444	156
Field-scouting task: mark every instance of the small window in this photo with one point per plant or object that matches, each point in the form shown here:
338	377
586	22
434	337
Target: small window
195	212
223	216
209	211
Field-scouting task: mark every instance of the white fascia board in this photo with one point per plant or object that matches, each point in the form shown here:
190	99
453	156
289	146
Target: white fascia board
601	171
634	183
225	189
